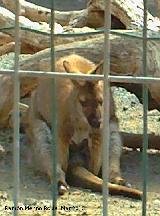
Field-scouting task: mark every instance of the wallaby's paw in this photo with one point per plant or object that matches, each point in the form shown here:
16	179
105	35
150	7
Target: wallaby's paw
62	188
115	178
120	181
127	184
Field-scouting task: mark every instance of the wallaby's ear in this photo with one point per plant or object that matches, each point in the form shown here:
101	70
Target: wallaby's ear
68	68
79	83
98	68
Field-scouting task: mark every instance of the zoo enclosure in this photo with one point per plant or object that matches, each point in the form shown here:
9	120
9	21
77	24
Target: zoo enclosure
107	78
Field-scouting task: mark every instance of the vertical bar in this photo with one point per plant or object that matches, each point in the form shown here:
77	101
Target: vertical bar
145	110
16	150
54	116
106	107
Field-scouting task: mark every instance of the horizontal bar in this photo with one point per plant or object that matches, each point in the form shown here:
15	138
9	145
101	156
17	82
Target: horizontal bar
112	78
63	35
53	74
137	34
133	79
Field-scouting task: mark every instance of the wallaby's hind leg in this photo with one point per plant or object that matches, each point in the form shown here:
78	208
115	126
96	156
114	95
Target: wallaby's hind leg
115	154
95	151
40	137
80	176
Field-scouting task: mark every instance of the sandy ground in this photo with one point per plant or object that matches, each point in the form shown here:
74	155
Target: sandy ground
35	192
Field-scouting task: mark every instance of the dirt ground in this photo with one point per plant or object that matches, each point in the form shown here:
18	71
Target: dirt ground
35	191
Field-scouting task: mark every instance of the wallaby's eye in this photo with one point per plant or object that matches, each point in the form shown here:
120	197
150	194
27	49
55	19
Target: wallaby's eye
83	102
100	102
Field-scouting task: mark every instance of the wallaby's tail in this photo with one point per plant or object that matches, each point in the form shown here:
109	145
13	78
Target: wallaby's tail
79	176
136	141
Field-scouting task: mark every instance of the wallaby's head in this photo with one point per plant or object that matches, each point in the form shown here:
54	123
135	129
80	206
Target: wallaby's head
89	95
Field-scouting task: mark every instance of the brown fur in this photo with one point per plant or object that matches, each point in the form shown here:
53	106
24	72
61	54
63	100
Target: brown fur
79	117
79	175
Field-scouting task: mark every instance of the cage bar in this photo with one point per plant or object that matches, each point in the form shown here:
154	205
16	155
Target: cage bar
135	34
106	107
16	118
145	111
112	78
53	115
